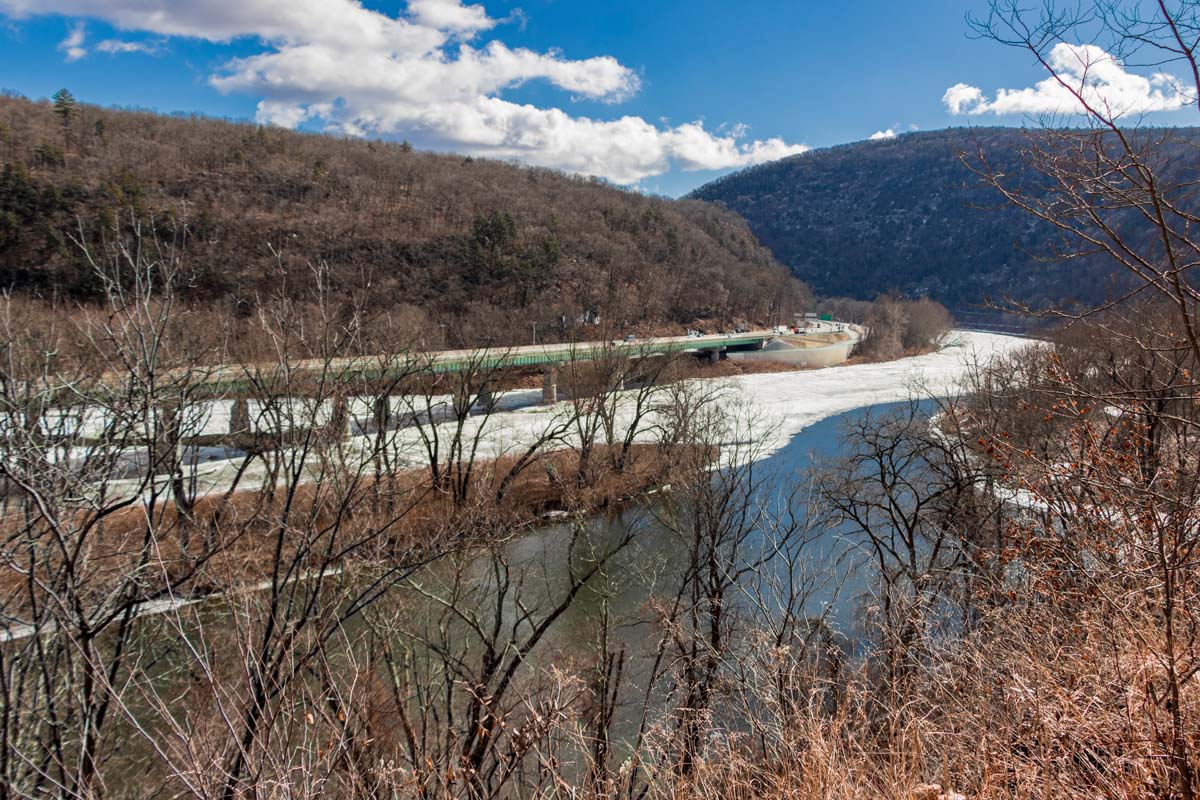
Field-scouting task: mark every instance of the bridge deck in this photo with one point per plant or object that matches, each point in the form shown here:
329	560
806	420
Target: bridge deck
224	380
232	378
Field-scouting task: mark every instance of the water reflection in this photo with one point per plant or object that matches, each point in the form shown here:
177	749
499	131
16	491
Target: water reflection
606	586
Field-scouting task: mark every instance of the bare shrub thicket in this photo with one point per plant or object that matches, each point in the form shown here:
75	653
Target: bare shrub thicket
897	326
348	615
193	541
1032	606
1024	557
1027	574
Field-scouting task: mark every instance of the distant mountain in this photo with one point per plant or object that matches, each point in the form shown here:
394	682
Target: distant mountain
906	215
482	248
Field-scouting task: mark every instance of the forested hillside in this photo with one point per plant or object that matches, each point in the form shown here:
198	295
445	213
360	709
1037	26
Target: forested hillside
443	240
906	215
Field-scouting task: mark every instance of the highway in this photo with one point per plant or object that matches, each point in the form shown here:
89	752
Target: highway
211	382
231	378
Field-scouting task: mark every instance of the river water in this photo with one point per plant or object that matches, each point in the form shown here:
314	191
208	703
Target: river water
434	617
620	609
785	478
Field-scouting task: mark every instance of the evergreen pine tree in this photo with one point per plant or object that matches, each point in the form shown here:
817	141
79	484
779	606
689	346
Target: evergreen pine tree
66	108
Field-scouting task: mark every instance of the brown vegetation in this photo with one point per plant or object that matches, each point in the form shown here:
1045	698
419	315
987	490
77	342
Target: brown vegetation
895	326
106	516
454	251
1025	576
431	522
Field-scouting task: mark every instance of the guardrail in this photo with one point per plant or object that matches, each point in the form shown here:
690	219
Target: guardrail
225	380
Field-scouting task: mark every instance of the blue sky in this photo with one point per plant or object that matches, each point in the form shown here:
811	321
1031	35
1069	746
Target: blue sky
662	95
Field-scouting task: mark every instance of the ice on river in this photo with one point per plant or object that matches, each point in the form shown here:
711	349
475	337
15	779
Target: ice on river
776	406
788	402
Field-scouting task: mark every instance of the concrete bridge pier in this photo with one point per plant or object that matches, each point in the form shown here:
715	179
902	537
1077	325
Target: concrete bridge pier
550	385
634	380
164	440
381	411
713	356
486	399
339	422
239	416
34	421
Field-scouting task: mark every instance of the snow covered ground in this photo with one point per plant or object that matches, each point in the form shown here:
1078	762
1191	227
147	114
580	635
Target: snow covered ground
789	402
772	407
779	405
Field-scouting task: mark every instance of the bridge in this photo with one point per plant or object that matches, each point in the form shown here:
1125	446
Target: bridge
236	380
237	389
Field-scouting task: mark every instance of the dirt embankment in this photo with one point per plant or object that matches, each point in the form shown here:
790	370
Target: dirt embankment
236	540
912	352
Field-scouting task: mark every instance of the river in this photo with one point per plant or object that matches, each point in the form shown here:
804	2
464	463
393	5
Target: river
644	568
619	610
443	619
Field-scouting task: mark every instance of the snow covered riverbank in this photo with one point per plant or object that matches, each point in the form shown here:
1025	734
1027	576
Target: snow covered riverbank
776	406
788	402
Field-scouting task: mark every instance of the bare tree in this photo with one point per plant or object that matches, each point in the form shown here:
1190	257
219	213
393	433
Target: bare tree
90	430
1123	195
1111	188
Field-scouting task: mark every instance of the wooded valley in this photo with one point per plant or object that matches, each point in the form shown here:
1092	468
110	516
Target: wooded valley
452	248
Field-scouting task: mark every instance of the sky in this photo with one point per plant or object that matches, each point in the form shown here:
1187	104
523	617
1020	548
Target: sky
658	95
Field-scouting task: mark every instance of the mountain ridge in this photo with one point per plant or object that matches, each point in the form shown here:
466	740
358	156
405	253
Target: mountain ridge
906	215
446	240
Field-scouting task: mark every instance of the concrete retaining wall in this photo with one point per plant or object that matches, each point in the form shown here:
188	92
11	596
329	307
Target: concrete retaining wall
800	355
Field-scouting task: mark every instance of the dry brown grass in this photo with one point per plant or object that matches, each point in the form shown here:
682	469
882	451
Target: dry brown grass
1035	707
235	536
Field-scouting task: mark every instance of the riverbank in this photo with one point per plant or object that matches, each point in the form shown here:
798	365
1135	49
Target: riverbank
768	409
772	406
235	542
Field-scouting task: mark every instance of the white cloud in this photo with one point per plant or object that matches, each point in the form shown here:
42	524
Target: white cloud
119	46
336	22
450	15
877	135
961	99
421	75
1097	77
72	46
